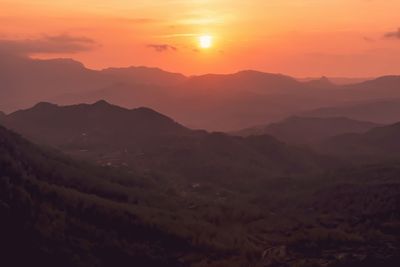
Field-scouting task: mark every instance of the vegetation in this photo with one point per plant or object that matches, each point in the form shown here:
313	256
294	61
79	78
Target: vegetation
60	212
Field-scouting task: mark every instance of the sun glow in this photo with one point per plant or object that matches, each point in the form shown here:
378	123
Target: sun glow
205	41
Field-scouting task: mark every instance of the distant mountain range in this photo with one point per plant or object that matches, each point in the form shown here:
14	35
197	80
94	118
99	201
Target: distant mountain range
56	211
222	102
145	75
338	80
146	140
244	81
309	130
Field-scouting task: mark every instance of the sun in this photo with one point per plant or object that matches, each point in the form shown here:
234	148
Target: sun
205	41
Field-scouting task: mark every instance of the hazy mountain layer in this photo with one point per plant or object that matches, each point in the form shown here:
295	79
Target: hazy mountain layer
214	102
309	130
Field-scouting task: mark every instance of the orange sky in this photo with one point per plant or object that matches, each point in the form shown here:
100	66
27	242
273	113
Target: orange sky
296	37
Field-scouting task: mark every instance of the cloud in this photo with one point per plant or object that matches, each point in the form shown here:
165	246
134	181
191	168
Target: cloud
393	35
47	44
162	47
368	39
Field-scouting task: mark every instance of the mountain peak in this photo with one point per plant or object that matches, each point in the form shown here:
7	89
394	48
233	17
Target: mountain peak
42	105
388	78
151	114
257	72
380	83
324	79
322	82
63	61
102	103
102	121
145	75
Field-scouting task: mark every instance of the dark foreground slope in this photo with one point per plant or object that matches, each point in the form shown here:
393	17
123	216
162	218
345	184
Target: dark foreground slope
55	212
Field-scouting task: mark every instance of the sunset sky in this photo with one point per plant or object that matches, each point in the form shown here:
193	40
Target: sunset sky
358	38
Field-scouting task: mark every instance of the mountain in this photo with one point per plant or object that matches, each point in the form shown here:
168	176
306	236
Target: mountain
309	130
145	75
57	211
381	142
248	80
338	80
217	102
66	82
43	79
92	125
379	111
322	83
142	139
385	85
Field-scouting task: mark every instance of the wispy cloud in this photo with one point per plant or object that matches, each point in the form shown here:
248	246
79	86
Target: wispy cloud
162	47
393	34
368	39
47	44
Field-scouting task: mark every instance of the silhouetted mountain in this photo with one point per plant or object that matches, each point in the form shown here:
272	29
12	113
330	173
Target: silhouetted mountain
386	87
100	124
384	84
321	83
146	140
338	80
249	81
379	111
308	130
43	79
145	75
214	110
213	102
381	142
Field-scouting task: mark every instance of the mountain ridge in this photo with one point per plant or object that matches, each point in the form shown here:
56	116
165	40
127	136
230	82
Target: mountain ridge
147	140
385	111
377	144
224	102
302	130
84	123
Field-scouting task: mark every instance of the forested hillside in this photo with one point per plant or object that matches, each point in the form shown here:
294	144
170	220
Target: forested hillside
58	211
